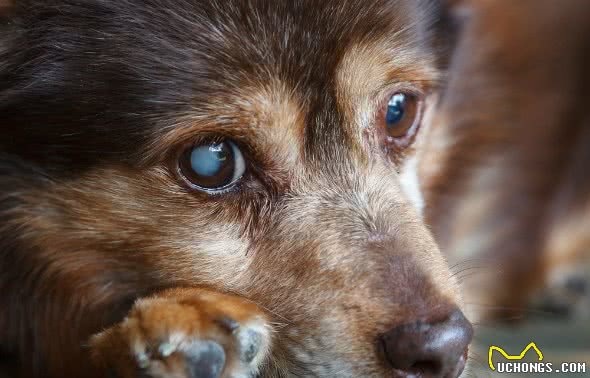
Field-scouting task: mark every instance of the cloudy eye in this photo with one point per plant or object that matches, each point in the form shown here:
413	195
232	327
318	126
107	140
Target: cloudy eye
402	115
213	166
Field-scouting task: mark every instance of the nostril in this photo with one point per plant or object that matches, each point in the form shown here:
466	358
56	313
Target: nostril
415	368
426	367
429	349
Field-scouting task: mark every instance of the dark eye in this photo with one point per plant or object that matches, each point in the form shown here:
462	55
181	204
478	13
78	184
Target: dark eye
402	115
213	166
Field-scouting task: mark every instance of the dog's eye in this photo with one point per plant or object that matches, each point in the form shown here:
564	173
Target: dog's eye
212	167
402	115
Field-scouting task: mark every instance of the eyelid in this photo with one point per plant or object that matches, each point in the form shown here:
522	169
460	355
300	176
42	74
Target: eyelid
388	89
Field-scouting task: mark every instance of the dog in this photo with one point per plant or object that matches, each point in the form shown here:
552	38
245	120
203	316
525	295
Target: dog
503	171
218	188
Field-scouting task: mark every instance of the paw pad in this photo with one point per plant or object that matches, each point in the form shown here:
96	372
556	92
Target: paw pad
249	342
204	359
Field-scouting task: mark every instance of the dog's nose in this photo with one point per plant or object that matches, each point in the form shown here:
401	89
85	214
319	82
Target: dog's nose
429	349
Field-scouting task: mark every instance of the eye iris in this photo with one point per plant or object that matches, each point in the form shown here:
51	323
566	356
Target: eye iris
212	166
402	114
395	109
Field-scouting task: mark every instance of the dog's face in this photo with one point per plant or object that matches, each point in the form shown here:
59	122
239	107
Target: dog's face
251	147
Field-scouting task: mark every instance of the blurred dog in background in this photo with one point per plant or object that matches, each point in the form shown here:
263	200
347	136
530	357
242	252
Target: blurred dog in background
506	167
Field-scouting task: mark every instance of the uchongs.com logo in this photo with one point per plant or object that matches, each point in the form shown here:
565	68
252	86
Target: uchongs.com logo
509	363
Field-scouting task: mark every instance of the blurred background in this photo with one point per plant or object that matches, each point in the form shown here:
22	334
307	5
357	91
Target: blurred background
506	175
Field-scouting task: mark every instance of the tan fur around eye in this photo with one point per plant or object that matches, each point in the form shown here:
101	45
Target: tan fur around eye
369	71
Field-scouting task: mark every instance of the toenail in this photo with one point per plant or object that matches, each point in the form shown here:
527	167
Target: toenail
166	349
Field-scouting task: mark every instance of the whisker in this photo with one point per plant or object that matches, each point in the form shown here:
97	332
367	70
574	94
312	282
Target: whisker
510	308
467	269
472	260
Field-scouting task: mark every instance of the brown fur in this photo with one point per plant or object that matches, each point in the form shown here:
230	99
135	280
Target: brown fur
101	236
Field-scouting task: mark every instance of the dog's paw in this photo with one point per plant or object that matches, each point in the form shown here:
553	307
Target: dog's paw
185	333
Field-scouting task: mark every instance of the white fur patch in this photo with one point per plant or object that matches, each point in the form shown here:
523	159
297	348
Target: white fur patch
411	184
